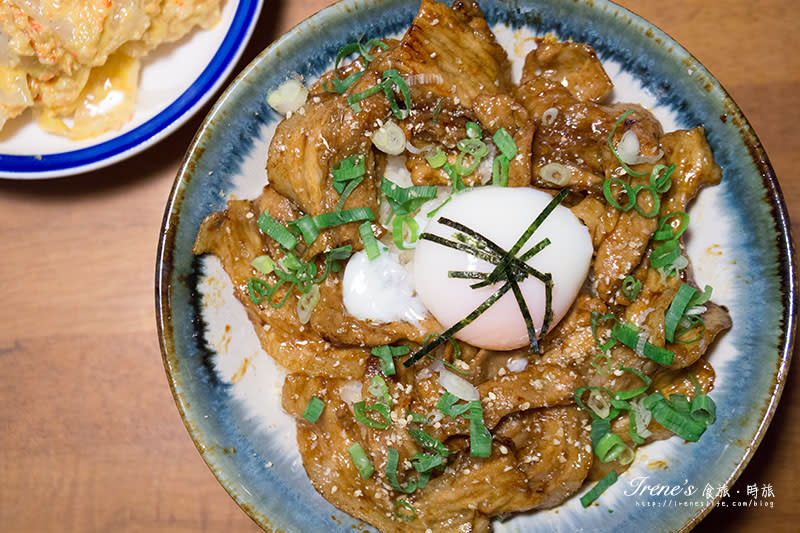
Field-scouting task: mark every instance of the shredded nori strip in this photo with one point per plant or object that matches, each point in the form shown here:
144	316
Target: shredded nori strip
538	247
510	256
493	248
480	254
526	313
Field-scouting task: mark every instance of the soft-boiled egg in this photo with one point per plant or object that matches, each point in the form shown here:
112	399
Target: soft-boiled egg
502	215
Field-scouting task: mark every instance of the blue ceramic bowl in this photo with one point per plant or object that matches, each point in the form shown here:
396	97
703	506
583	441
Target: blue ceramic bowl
257	464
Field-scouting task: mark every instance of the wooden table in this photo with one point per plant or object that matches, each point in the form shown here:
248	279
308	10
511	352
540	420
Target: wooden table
90	438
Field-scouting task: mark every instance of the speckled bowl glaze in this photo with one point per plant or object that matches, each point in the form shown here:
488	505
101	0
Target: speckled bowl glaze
757	267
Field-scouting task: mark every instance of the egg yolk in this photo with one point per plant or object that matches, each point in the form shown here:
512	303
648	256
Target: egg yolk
502	215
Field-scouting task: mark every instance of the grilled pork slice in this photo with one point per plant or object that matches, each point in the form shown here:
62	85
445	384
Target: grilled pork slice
552	447
456	51
234	237
574	66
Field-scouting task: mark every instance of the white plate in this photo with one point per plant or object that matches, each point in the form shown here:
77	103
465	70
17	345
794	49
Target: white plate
176	80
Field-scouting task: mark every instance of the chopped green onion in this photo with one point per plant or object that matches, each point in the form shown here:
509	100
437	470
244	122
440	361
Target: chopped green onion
360	409
610	140
628	190
677	308
397	231
447	405
500	171
451	366
271	227
665	254
274	289
556	174
704	297
340	86
456	348
505	143
459	167
363	49
257	290
579	400
703	409
480	440
416	418
340	254
594	318
313	409
602	370
656	201
392	458
669	415
474	147
627	395
305	225
347	191
389	138
436	110
291	262
424	462
360	460
600	428
403	516
431	443
599	402
628	334
631	287
474	130
610	447
405	200
332	260
433	213
462	170
379	390
386	354
455	179
392	78
639	419
288	97
369	240
347	169
354	99
599	488
436	157
263	263
336	218
680	402
306	304
661	183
